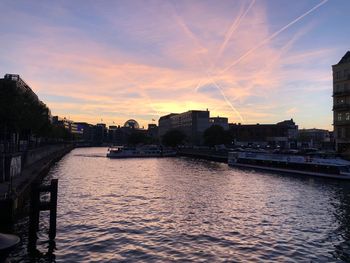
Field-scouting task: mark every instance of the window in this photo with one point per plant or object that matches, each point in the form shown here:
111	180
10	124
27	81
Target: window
340	100
337	75
347	116
339	116
339	133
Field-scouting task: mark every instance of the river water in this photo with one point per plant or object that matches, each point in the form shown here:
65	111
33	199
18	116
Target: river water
186	210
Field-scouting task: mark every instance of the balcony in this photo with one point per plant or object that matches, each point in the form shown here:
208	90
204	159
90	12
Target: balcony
341	123
345	92
341	106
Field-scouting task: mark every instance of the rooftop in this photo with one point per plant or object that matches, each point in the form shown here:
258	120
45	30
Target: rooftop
345	58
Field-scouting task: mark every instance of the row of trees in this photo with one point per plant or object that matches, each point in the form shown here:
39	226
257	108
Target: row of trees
23	115
214	135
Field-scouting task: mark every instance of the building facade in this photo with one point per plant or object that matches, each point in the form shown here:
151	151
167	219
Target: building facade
192	123
164	124
314	138
71	126
341	103
220	121
282	134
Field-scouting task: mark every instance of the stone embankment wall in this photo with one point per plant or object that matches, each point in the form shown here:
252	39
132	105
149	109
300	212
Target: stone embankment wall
19	171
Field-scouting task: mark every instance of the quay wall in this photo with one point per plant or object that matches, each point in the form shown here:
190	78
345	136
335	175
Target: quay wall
28	168
33	156
206	154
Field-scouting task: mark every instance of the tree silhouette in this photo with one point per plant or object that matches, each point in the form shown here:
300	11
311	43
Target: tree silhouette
173	138
215	135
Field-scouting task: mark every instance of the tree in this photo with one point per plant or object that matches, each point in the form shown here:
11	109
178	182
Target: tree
215	135
137	137
22	113
173	138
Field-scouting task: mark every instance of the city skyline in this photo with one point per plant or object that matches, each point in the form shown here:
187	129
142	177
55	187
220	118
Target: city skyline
250	61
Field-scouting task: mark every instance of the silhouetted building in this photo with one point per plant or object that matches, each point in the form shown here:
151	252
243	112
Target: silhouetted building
119	135
314	138
192	123
131	124
71	126
100	133
21	84
152	131
86	130
282	134
164	124
23	87
341	103
220	121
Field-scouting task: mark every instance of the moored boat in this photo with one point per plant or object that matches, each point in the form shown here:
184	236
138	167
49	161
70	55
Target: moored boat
306	165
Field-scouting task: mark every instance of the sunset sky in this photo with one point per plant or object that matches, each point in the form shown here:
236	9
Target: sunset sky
252	61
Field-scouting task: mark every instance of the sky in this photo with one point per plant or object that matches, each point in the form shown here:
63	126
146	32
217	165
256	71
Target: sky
253	61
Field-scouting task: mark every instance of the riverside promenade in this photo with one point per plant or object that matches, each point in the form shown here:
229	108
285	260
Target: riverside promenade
30	167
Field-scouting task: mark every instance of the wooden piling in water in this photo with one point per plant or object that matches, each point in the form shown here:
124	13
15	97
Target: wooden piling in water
53	209
36	206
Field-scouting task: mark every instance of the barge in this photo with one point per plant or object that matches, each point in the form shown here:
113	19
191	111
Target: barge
306	165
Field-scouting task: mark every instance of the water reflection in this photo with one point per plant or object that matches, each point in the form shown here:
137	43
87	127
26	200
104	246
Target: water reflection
341	213
179	209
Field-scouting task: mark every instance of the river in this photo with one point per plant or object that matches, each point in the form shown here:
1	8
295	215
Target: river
187	210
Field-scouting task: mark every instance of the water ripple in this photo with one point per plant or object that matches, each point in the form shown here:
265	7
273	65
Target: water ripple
185	210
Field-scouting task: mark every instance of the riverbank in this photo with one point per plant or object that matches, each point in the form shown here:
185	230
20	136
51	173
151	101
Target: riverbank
28	168
206	154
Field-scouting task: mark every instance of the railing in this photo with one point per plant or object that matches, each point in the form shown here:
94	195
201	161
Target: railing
341	106
341	92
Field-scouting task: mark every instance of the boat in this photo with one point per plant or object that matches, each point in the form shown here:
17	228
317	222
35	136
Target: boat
306	165
143	151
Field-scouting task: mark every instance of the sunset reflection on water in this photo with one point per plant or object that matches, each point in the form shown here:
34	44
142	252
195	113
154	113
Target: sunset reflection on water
180	209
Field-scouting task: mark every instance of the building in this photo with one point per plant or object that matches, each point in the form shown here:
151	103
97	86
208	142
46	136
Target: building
282	134
71	126
86	130
314	138
220	121
100	134
192	123
21	85
164	124
341	103
152	131
16	81
132	124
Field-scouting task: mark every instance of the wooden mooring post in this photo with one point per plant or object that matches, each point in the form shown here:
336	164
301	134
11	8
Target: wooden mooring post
36	206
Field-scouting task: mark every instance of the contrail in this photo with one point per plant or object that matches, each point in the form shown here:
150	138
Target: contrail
189	33
233	28
226	100
228	36
273	36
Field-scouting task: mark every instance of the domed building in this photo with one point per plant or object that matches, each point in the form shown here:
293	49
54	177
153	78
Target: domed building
132	124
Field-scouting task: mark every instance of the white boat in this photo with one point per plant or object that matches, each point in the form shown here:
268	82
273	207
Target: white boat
324	167
144	151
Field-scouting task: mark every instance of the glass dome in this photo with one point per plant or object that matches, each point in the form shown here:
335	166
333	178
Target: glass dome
131	124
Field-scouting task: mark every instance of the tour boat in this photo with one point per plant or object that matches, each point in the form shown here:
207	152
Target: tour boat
144	151
306	165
